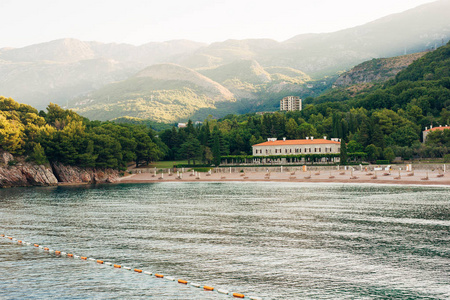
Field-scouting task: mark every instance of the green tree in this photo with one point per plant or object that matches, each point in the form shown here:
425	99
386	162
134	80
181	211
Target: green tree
38	155
216	150
307	129
11	135
343	153
207	154
404	136
191	149
145	148
292	130
354	146
389	154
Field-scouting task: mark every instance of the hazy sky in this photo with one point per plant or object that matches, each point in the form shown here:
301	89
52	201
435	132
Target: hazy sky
26	22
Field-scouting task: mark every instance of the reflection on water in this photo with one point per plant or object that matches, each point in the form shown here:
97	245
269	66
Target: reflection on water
274	240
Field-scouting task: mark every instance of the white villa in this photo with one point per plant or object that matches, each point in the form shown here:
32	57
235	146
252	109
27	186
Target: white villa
427	131
297	147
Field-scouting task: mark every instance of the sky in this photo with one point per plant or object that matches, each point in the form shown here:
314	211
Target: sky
27	22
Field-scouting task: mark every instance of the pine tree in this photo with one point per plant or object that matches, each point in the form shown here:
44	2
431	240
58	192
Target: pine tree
216	150
343	155
38	155
191	149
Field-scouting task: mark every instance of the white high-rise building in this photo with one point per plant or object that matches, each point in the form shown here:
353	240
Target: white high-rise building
291	103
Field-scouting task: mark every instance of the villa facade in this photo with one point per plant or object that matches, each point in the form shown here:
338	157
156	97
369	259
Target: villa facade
297	147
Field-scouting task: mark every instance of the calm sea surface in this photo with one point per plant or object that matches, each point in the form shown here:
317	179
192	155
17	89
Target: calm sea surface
272	240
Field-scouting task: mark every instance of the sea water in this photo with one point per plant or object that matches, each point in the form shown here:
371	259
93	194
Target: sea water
272	240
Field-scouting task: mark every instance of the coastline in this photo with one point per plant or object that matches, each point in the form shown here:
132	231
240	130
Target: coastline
300	177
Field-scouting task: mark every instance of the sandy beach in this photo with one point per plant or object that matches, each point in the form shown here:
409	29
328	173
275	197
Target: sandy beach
334	176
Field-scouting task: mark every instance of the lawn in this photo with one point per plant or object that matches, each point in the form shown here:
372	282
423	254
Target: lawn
166	164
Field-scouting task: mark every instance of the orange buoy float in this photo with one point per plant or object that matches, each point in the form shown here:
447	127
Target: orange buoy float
83	258
208	288
19	242
138	270
2	235
46	249
57	252
159	276
10	237
99	261
182	281
69	254
117	266
237	295
36	245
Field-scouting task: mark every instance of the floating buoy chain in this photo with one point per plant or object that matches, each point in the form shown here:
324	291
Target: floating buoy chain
117	266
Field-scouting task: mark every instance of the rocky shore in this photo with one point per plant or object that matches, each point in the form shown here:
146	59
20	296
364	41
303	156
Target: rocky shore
15	172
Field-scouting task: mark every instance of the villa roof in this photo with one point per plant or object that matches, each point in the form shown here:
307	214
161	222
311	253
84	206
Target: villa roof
438	128
297	142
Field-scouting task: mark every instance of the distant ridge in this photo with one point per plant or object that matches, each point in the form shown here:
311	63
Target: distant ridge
163	92
257	72
172	72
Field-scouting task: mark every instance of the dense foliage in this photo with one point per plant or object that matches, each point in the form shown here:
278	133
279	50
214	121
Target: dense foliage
383	122
62	135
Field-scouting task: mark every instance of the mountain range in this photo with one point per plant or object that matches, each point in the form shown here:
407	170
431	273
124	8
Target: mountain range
179	79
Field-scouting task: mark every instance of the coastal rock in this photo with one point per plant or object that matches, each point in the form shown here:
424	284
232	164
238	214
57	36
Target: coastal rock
5	158
73	174
38	175
14	173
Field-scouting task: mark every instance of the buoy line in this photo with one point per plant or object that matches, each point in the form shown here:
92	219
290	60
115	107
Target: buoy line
138	271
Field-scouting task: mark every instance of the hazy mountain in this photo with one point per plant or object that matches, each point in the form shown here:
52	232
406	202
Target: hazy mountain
147	54
412	31
70	50
258	70
41	82
244	70
229	51
64	50
61	70
163	92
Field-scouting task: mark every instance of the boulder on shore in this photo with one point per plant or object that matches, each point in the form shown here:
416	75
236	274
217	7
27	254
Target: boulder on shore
73	174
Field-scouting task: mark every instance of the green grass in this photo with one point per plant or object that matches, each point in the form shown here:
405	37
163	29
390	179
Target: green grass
167	164
204	170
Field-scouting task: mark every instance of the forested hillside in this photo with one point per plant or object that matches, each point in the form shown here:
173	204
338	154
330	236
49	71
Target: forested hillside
383	122
376	70
60	135
163	93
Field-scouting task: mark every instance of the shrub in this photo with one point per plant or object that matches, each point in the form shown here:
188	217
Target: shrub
201	169
447	158
12	162
382	162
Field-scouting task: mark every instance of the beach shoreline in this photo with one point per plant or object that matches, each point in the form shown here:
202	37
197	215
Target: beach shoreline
404	178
